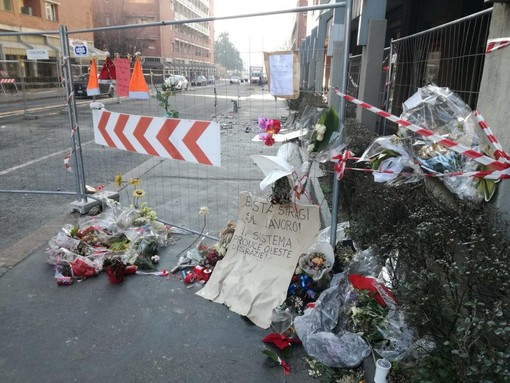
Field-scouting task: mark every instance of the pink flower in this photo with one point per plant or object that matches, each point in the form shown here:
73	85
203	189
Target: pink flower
268	127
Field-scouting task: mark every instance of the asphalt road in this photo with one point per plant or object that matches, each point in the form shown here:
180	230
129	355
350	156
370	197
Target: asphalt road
34	140
147	329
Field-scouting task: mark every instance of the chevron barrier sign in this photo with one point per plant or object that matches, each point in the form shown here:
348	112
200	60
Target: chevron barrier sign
185	140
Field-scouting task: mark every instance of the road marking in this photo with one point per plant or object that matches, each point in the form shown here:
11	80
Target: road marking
18	112
213	96
7	171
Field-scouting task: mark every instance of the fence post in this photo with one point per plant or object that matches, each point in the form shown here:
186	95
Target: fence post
23	88
387	87
313	59
76	155
493	96
370	72
319	65
342	59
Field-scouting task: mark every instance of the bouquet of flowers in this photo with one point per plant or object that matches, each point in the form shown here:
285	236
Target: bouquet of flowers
268	128
318	261
445	113
323	131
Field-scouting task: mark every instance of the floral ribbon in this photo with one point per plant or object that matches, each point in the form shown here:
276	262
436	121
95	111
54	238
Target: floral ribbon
280	341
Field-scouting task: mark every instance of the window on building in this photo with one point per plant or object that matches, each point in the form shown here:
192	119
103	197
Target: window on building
6	5
51	11
145	20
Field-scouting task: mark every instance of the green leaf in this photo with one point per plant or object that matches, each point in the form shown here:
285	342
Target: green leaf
271	354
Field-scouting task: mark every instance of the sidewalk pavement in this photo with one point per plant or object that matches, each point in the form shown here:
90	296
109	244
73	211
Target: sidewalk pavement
149	328
31	94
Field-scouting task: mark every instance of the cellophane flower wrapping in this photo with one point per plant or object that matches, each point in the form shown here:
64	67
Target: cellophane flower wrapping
392	159
318	260
446	114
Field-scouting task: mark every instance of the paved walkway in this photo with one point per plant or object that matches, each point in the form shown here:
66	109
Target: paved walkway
147	329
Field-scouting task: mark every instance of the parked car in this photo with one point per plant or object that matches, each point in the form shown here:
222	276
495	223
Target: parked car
244	79
210	80
235	80
80	87
181	83
198	81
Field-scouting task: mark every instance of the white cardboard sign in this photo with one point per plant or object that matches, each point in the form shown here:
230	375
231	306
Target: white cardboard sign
253	277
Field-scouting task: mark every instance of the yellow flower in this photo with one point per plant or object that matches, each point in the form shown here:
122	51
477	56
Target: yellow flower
118	180
138	193
204	210
134	181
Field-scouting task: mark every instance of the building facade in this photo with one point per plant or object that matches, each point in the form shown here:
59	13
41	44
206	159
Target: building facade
299	29
40	18
186	49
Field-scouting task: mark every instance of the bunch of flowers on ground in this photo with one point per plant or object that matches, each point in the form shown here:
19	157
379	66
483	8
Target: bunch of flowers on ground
119	240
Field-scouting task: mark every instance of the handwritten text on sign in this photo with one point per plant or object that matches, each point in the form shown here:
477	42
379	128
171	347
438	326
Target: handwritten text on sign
254	239
263	252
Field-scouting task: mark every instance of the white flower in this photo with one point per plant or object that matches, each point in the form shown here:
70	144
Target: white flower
204	210
155	258
320	129
310	148
171	81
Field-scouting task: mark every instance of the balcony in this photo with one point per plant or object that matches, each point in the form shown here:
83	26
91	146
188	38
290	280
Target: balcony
193	8
195	26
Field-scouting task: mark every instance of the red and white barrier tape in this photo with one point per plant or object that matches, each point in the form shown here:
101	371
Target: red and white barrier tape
486	174
494	44
499	152
341	166
464	150
67	160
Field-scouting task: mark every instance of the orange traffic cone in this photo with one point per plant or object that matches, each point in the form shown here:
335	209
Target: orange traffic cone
137	86
92	85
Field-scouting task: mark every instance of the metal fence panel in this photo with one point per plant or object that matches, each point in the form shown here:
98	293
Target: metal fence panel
38	138
451	55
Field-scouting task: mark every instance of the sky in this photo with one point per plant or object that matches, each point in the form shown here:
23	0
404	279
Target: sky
254	35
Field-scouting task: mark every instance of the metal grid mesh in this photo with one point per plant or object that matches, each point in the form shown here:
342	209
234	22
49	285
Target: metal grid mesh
37	138
450	56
